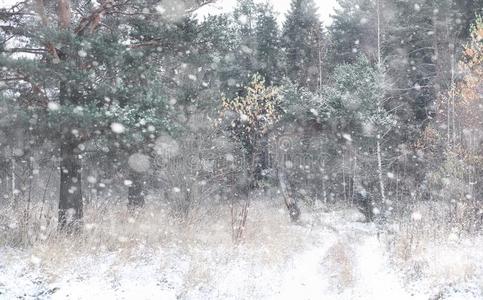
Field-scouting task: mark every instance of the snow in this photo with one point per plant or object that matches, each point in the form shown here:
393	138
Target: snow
347	137
117	128
82	53
326	256
381	283
91	179
165	146
53	106
416	216
139	162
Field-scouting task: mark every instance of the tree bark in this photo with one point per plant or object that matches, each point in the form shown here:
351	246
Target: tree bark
380	174
70	198
135	195
324	188
261	157
14	187
290	202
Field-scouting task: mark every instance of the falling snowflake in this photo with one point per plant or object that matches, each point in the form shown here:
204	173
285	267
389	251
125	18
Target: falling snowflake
117	128
82	53
53	106
139	162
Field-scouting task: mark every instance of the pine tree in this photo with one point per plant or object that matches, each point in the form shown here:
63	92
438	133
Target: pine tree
302	40
353	106
88	84
422	41
353	31
245	17
269	58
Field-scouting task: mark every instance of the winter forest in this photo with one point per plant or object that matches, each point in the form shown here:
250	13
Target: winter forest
151	151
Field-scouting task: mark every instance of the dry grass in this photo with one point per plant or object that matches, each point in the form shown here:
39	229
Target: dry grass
340	259
112	228
428	245
199	247
423	248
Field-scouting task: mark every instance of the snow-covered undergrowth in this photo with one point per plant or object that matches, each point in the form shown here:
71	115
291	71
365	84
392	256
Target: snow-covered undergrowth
328	255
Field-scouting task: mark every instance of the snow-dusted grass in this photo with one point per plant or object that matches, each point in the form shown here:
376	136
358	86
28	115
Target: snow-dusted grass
152	255
434	252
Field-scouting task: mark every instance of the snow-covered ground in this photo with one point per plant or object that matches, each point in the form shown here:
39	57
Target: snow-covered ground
326	256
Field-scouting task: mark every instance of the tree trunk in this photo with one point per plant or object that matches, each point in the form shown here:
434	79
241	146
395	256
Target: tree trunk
344	190
70	197
135	195
380	174
14	187
324	189
364	204
70	200
290	202
261	156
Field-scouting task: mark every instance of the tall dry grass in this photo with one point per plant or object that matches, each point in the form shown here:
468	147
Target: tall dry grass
434	242
111	227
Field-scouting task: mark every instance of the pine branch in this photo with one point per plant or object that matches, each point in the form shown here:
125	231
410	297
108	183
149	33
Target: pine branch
15	10
25	50
199	4
7	79
90	23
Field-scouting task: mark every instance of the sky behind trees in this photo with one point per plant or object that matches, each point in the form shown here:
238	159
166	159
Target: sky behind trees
326	8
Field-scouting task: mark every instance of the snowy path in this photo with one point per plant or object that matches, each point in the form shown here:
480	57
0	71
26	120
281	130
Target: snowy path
376	280
359	261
